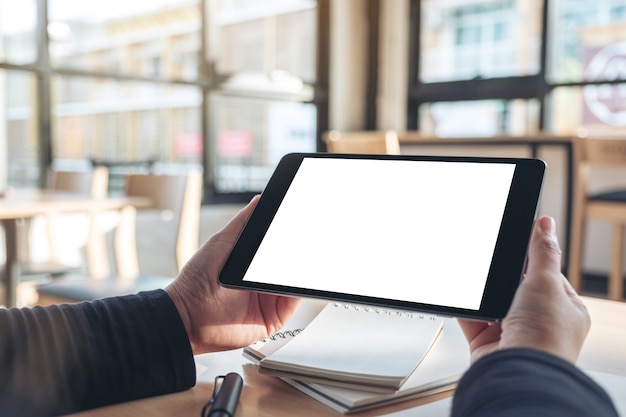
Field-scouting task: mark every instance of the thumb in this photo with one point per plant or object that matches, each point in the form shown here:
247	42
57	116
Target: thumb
546	314
544	253
237	223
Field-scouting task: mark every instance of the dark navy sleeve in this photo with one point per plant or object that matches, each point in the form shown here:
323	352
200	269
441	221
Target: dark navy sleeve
65	358
526	382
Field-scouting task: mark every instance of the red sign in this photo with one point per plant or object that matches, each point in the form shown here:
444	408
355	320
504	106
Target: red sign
235	143
188	145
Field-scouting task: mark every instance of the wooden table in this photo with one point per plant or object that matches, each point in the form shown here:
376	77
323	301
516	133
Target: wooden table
262	395
19	204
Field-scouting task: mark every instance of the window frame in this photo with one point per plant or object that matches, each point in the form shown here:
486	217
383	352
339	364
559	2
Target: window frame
536	86
207	81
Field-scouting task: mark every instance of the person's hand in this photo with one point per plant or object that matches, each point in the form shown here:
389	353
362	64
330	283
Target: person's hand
546	313
218	318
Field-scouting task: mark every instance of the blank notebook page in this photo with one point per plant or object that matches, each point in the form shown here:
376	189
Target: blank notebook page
351	342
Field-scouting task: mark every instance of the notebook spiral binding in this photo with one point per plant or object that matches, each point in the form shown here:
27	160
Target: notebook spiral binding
385	311
282	335
356	307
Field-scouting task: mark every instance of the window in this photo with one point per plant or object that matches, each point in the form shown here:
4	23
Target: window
18	126
18	20
169	82
266	60
253	134
587	67
479	118
587	41
484	39
137	37
126	121
493	61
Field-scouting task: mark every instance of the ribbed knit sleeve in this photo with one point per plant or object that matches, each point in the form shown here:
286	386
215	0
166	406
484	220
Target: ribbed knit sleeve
526	382
61	359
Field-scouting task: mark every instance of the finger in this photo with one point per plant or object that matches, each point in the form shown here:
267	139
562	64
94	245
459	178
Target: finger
236	224
544	253
480	334
471	328
244	213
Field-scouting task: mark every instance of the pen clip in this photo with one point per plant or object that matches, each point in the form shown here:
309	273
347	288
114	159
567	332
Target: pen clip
225	397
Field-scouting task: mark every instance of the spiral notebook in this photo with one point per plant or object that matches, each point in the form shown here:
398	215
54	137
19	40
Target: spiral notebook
438	372
345	345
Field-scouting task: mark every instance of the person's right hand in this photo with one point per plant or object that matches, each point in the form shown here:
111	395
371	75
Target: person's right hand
546	313
218	318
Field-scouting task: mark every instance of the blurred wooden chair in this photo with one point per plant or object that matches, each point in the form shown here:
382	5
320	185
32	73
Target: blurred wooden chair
364	142
609	206
179	196
92	182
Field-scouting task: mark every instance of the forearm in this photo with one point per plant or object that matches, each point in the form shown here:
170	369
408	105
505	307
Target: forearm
525	382
61	359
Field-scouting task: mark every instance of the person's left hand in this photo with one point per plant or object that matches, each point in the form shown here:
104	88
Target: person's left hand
218	318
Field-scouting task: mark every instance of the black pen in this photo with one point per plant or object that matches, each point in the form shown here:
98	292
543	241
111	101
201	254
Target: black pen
226	400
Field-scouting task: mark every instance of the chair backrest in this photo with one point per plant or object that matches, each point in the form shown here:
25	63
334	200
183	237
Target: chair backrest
94	182
592	152
598	199
179	194
366	142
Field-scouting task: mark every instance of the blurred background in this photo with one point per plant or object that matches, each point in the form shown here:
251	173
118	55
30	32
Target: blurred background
231	85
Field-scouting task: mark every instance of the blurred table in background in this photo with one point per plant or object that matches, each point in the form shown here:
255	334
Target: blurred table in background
18	204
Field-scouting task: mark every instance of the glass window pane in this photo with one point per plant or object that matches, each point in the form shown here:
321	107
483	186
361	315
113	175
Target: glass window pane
250	137
17	31
126	123
592	109
479	118
19	127
146	38
493	38
266	37
587	41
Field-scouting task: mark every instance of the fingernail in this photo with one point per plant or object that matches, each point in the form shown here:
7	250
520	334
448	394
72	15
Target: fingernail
547	225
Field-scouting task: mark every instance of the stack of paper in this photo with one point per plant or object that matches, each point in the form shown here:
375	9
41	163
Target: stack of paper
355	358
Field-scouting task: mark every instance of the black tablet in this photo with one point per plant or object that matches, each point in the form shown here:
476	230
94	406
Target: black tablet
444	235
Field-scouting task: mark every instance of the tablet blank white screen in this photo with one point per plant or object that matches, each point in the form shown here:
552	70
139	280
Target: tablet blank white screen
418	231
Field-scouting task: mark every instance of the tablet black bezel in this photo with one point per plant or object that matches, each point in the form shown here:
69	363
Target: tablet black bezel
506	266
